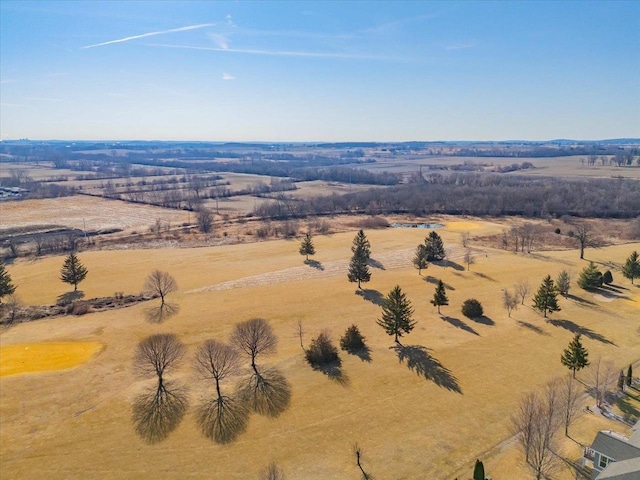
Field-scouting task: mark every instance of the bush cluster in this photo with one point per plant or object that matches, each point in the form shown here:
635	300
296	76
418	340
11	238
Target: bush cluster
472	308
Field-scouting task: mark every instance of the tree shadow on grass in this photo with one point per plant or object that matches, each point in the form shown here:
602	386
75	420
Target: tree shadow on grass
334	371
628	409
314	264
159	411
373	296
532	327
575	328
456	322
424	365
375	264
267	393
69	297
363	353
482	275
449	263
160	313
434	281
484	320
222	419
580	300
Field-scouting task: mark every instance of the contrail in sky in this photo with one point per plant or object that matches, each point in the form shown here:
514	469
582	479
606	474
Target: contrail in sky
151	34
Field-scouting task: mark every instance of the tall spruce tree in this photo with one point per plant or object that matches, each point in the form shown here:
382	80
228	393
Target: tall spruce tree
546	298
575	356
590	277
563	283
420	258
440	296
6	285
73	271
631	267
396	314
358	265
434	246
629	375
306	247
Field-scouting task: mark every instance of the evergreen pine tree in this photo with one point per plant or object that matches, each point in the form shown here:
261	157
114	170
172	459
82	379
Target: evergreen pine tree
629	375
435	247
420	258
358	265
563	283
546	299
73	271
478	471
590	277
575	356
631	268
396	314
306	247
6	287
440	296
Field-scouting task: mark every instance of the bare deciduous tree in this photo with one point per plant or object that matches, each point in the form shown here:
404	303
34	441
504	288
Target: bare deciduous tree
216	361
254	337
509	301
585	236
160	283
570	396
157	353
158	412
522	289
537	422
469	258
600	377
205	220
272	472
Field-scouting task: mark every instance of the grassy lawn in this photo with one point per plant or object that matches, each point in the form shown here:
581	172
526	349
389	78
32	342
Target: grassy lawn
427	410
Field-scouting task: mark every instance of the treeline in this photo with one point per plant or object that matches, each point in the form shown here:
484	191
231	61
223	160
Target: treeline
474	194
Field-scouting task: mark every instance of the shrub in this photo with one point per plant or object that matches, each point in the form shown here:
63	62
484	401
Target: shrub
558	231
371	223
352	340
607	278
472	308
322	351
80	307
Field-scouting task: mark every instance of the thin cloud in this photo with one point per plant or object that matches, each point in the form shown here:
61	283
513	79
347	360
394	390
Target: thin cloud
277	53
220	40
19	105
151	34
8	80
227	76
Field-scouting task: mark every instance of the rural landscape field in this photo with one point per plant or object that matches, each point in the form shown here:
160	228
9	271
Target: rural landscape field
312	240
442	397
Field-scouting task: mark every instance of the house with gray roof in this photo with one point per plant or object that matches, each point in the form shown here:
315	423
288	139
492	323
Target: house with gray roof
614	456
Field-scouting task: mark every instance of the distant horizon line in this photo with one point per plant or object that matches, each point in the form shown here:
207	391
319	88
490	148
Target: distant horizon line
305	142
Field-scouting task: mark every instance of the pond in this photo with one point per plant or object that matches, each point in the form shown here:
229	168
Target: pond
417	225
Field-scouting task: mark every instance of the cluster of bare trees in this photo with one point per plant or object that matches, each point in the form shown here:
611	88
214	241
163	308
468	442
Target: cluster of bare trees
222	415
539	418
541	415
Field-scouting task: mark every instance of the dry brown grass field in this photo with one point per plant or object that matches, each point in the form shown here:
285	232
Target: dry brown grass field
431	421
556	167
85	212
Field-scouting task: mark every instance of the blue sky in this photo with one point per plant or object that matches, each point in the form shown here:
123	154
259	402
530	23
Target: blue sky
319	71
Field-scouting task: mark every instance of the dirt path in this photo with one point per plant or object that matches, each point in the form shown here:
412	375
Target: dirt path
386	261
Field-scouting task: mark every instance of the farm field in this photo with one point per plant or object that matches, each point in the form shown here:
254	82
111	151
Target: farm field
428	421
85	212
557	167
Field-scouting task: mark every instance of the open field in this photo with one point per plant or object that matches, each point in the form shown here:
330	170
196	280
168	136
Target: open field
556	167
431	421
85	212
